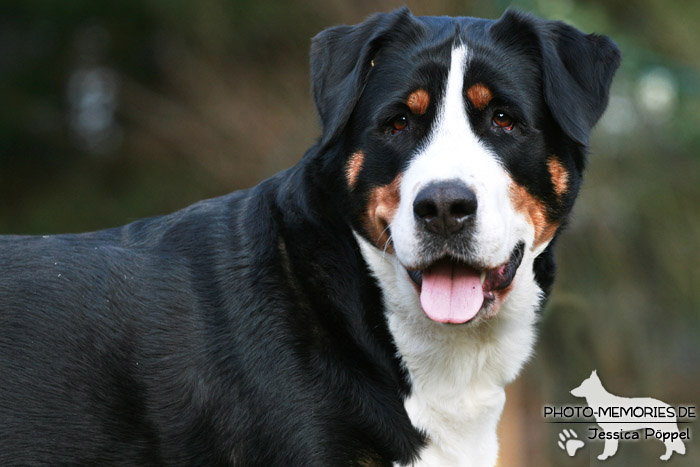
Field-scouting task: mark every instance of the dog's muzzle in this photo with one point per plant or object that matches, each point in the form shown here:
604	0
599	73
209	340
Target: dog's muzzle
453	287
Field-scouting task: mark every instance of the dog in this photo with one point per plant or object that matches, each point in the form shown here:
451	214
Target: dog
607	409
364	307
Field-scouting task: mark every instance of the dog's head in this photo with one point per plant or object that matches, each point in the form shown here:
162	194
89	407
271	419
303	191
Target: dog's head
590	386
462	141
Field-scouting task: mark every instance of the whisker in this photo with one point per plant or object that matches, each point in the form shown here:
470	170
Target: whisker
386	244
382	233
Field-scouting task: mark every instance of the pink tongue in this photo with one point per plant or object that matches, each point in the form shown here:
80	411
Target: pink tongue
451	293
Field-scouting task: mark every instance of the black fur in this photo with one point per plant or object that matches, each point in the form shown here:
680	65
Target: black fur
247	330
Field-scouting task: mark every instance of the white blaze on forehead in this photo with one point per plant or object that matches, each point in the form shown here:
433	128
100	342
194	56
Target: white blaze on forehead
453	151
453	117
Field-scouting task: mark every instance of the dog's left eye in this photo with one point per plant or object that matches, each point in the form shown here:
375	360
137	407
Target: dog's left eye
399	124
502	120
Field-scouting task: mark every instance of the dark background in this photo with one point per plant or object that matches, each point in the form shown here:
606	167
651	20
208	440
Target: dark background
115	110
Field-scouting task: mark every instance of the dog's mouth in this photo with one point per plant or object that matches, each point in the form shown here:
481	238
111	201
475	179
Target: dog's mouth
452	291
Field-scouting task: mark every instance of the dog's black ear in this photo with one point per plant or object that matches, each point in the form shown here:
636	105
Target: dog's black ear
577	68
341	58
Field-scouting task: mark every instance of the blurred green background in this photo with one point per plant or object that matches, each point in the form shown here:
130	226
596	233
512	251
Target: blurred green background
115	110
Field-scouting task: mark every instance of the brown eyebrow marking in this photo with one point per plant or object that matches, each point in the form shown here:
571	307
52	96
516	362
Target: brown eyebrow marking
418	101
353	168
480	95
560	177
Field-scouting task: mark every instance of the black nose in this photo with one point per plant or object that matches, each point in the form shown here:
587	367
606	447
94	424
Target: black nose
445	207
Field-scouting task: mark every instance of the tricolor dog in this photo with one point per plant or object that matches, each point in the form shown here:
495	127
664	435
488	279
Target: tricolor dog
365	307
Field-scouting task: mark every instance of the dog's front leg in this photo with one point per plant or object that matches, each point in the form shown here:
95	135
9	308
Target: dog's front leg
609	450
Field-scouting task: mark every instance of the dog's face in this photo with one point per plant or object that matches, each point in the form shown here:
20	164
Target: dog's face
462	143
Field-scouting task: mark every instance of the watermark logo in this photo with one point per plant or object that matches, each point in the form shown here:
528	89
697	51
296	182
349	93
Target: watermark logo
621	418
569	442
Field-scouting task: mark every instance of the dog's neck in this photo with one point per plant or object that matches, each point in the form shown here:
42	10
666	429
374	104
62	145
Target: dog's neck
458	373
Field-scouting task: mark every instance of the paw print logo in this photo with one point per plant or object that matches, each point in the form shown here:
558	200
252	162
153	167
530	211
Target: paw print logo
569	442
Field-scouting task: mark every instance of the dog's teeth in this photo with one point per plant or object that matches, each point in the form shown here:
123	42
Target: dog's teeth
483	277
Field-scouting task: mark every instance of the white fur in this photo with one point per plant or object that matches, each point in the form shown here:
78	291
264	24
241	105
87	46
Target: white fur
458	372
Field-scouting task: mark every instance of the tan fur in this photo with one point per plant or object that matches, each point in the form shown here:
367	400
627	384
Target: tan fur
381	209
353	168
418	101
535	213
560	177
479	95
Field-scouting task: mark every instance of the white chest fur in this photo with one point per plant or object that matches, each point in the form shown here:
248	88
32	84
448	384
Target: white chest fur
458	373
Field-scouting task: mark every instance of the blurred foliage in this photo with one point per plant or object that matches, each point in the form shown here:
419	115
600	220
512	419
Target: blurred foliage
116	110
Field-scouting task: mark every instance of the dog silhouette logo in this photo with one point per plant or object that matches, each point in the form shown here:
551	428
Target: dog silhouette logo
623	417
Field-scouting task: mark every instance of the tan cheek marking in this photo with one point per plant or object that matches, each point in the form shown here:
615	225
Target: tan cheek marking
560	177
381	209
480	95
535	213
418	101
353	167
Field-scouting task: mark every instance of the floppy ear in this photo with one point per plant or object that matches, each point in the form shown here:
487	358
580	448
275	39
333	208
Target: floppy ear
341	58
577	70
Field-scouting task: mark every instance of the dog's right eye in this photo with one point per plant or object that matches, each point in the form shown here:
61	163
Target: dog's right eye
502	120
399	124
